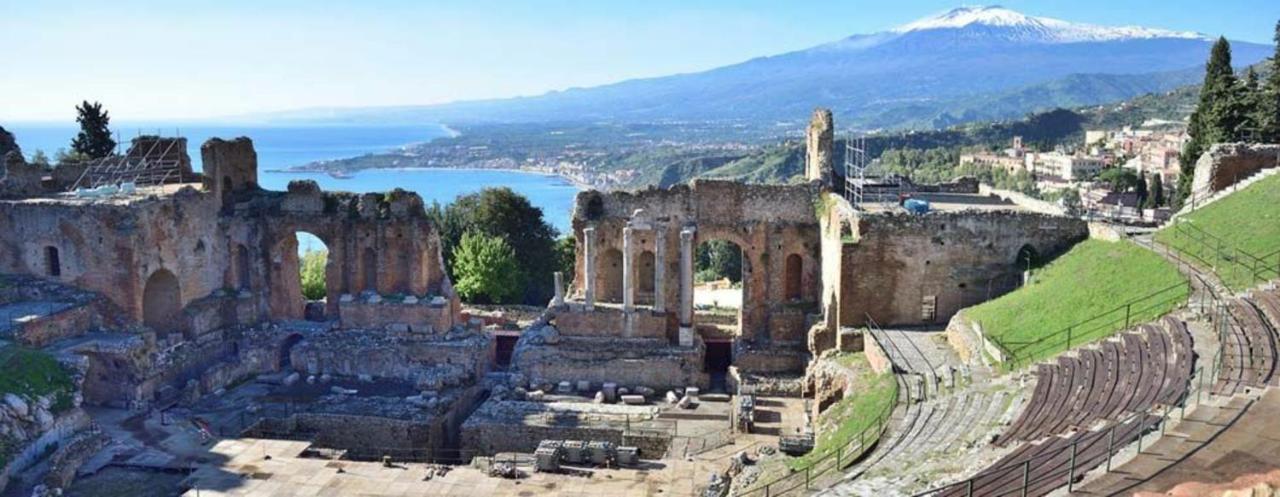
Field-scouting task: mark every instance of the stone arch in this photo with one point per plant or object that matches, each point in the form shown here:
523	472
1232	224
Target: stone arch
1027	258
793	275
162	301
609	276
242	267
52	262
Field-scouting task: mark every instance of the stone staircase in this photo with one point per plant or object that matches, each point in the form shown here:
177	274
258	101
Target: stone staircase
936	439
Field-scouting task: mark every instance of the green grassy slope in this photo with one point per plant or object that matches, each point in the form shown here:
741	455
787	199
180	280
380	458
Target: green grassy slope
871	396
1093	281
1248	220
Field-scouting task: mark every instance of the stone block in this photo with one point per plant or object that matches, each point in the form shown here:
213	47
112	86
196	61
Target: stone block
610	392
584	386
672	398
564	388
628	456
635	400
574	451
411	300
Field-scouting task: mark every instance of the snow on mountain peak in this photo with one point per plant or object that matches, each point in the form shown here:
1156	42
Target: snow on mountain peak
1018	26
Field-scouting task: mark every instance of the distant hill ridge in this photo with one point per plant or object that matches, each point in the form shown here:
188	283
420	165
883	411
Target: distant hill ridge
968	64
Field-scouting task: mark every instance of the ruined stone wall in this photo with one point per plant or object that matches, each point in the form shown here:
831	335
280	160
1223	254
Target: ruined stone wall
381	354
383	244
769	223
627	362
819	141
575	320
116	247
901	265
408	314
196	244
1227	163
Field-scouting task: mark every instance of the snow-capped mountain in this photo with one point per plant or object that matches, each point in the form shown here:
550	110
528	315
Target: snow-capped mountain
1016	26
972	63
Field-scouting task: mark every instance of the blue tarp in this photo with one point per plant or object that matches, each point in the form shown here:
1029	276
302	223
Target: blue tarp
916	206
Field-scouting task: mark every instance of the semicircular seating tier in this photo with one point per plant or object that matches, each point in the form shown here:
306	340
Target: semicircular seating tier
1131	372
1248	343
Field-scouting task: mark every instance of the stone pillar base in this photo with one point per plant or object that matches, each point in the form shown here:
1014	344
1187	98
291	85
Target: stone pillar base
686	336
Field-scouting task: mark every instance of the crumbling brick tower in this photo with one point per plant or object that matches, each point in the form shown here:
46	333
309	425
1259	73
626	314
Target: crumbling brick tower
819	142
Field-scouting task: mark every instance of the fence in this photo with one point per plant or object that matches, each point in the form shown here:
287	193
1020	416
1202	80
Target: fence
1228	262
1043	473
845	454
1016	478
1118	318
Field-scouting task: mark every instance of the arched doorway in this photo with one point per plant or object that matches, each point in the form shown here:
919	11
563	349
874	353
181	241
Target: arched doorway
609	276
161	301
313	262
793	276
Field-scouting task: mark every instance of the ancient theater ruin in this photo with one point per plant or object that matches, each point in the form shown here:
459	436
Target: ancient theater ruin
161	310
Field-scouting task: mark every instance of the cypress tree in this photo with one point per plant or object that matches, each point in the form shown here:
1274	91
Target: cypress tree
1155	192
1268	115
1217	116
1251	102
94	140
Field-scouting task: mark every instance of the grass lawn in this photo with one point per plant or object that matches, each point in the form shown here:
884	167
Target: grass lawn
1248	220
1093	281
870	396
30	373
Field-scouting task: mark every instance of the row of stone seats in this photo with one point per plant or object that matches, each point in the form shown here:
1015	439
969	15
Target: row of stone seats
1047	466
1248	347
1131	372
933	437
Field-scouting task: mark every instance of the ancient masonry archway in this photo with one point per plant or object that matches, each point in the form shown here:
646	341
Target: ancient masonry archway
162	301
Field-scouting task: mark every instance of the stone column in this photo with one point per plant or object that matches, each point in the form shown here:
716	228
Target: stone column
660	270
559	282
686	287
589	267
628	272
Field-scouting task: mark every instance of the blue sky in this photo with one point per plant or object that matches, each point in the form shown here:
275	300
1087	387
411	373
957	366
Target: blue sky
175	59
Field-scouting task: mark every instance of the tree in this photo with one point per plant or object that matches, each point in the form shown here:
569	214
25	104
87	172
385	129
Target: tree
94	140
7	143
40	159
1268	113
566	256
312	271
62	156
503	213
1218	115
486	269
1140	188
1155	195
719	259
1251	100
1120	179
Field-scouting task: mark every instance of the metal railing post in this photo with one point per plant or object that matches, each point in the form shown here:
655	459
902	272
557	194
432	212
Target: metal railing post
969	488
1071	469
1026	476
1111	443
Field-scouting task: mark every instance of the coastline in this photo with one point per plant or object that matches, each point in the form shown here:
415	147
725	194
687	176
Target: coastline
348	175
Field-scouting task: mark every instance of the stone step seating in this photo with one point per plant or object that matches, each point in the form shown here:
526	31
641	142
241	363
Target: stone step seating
1267	300
1248	359
924	354
1188	433
937	436
1131	372
1050	460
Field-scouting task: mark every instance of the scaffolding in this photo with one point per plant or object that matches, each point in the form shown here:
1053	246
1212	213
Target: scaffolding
864	183
155	163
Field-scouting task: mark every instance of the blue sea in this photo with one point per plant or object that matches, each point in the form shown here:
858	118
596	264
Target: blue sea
281	147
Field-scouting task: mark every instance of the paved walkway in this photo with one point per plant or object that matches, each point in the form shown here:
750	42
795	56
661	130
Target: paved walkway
1247	442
